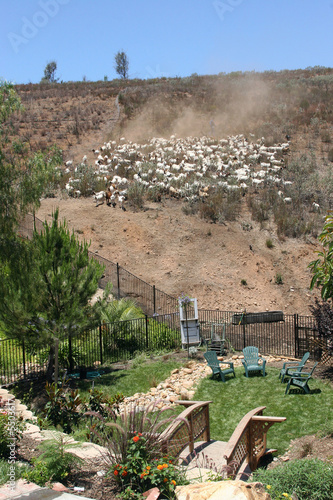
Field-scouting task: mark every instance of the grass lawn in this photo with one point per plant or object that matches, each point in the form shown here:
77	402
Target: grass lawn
305	413
140	378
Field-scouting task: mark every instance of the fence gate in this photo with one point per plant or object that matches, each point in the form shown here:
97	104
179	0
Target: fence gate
305	333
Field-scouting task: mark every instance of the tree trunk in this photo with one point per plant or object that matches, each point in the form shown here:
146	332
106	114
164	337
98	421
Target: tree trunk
50	365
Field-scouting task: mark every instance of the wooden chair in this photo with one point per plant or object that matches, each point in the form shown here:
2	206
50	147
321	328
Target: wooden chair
214	364
252	362
289	367
301	379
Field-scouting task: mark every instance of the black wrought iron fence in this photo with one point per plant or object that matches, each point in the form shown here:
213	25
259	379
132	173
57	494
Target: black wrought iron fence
124	284
113	342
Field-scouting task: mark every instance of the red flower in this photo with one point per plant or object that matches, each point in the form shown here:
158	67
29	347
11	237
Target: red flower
115	473
136	439
124	473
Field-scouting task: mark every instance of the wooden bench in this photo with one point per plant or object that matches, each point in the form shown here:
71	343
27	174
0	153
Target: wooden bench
248	441
191	425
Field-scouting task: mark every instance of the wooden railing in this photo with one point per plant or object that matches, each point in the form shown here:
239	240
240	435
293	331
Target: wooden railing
190	426
249	440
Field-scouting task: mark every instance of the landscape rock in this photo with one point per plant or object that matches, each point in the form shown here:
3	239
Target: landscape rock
226	490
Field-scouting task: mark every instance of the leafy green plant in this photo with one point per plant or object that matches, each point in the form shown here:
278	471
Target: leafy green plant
55	463
63	407
309	479
11	430
141	470
7	470
269	243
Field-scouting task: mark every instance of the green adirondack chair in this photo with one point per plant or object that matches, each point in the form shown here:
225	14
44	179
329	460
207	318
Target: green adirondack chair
301	379
214	364
289	367
252	362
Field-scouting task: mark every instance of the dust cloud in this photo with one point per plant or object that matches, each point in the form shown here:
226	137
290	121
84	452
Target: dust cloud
227	106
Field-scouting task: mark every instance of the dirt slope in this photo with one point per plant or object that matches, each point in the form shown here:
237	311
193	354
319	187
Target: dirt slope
179	253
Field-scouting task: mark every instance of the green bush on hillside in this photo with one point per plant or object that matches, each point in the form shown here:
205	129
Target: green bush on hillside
309	479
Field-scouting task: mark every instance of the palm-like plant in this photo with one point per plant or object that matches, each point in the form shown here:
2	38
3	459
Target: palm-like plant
120	310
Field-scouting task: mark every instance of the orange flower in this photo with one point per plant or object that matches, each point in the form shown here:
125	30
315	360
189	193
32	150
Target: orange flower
148	467
160	467
136	439
165	466
124	473
139	434
115	473
173	482
142	475
165	480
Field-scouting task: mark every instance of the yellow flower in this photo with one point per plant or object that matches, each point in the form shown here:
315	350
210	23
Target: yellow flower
268	486
173	482
148	467
160	467
285	495
165	466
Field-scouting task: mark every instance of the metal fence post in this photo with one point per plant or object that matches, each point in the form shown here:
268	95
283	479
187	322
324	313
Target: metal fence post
147	339
23	356
296	334
154	299
70	353
118	281
100	344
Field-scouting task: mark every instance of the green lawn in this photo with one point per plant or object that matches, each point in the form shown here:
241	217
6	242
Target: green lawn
128	382
305	413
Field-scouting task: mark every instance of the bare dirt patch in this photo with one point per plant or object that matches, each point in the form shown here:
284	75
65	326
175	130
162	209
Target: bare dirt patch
224	266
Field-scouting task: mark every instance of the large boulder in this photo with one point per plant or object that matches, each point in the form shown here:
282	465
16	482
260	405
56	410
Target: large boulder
228	490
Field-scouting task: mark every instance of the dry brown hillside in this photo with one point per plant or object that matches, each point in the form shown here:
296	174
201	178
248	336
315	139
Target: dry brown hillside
226	265
180	253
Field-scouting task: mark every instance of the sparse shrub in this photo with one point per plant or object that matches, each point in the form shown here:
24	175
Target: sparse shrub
269	243
278	279
135	195
55	463
330	155
223	205
155	194
243	282
326	137
309	479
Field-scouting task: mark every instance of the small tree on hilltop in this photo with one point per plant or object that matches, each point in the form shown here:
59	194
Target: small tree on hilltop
121	64
49	73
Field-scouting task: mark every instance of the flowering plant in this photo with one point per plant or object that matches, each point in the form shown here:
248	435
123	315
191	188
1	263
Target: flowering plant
184	300
140	472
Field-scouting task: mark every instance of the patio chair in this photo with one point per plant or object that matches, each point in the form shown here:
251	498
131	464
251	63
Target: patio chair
289	367
214	364
252	362
301	380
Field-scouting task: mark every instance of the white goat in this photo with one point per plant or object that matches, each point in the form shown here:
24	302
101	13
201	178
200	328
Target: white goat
99	197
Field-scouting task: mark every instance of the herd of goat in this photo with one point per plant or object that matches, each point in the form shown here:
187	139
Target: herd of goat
188	168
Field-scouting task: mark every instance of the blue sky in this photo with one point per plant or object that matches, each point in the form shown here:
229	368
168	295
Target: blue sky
162	37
